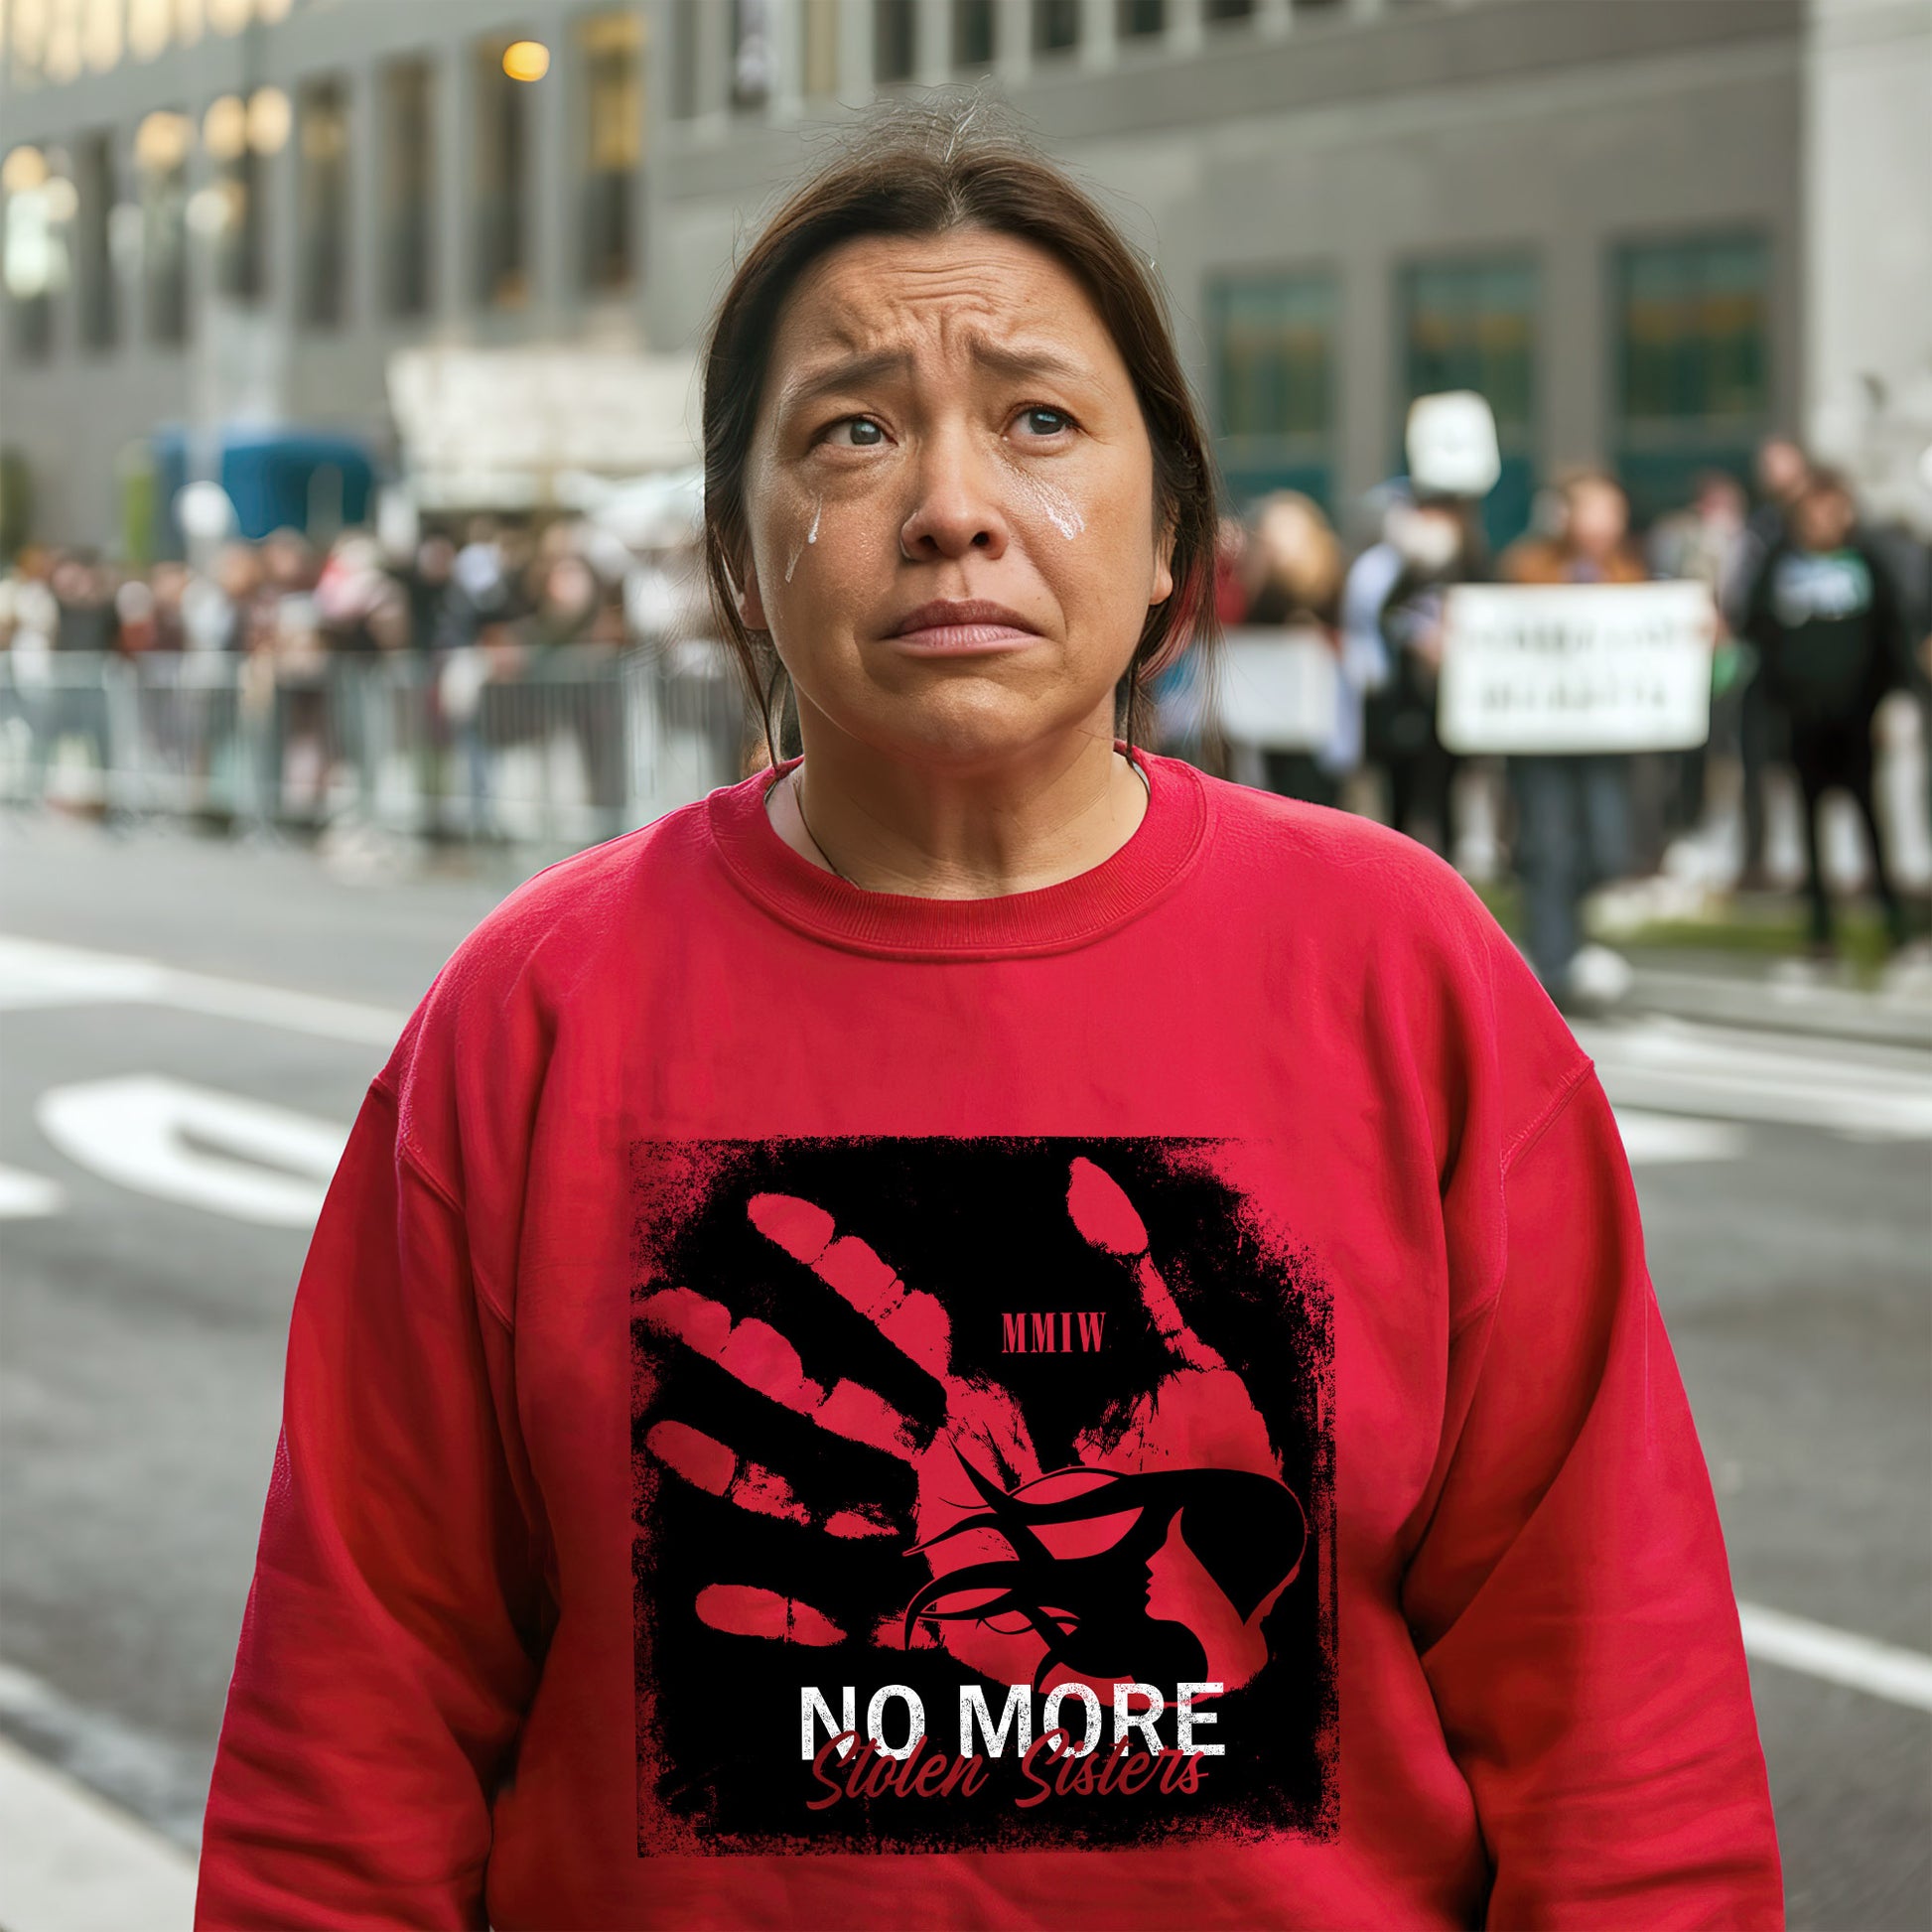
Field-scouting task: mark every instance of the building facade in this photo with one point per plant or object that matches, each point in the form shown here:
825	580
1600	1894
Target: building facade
1649	233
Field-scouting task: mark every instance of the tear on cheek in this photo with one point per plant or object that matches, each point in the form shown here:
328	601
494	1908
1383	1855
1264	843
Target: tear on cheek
811	536
1052	502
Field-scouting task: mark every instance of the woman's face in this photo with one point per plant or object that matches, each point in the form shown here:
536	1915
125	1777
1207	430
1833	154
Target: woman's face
947	424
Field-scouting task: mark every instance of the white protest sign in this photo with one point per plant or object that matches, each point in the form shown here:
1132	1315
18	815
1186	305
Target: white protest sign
1450	439
1278	689
1576	667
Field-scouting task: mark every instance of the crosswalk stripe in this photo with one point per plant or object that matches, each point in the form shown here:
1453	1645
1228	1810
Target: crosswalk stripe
1882	1670
71	1861
1679	1067
34	973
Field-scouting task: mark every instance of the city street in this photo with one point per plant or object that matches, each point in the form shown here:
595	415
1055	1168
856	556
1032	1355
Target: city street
189	1030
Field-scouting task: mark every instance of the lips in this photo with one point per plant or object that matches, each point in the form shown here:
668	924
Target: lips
962	627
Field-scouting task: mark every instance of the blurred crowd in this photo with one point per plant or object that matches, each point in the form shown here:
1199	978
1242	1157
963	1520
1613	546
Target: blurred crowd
496	633
515	587
1821	617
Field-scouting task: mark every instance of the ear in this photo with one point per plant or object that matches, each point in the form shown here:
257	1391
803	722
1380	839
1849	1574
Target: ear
1163	586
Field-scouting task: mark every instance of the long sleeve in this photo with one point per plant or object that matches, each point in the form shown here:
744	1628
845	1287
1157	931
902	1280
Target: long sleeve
388	1647
1570	1595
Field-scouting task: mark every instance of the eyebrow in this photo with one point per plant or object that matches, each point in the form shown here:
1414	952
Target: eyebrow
856	371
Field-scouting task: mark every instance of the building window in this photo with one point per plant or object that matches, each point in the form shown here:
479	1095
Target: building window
36	202
613	146
1217	12
687	27
60	59
238	269
1692	380
750	53
972	33
500	158
161	168
322	203
94	184
891	40
408	187
25	44
1273	341
818	29
148	28
1472	324
1056	25
1141	19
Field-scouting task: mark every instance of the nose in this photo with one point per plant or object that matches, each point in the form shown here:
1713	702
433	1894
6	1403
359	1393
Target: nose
957	504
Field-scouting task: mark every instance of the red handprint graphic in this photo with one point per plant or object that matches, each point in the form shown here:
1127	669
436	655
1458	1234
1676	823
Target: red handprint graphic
1156	1554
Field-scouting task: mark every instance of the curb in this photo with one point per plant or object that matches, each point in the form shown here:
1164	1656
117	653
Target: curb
1779	1006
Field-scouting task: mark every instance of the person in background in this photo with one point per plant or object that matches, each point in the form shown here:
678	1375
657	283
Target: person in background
1366	666
85	591
1294	586
359	606
1573	809
87	623
134	615
1828	622
169	582
1783	471
1701	544
426	583
1439	545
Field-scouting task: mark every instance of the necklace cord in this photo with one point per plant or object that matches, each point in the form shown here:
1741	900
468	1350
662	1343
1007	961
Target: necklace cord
798	799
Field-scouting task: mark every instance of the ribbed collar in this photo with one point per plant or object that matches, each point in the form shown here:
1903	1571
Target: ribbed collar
898	925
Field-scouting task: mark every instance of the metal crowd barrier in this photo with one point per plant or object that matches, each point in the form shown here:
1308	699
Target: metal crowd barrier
556	749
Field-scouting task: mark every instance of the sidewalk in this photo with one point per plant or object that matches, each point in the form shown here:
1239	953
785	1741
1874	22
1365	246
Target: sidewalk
1739	959
1782	994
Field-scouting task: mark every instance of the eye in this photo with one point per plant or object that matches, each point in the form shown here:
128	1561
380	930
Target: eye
855	433
1040	420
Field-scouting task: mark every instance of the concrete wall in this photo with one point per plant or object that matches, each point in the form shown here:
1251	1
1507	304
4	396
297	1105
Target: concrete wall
1868	212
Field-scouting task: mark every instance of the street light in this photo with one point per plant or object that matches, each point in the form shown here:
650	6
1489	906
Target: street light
526	60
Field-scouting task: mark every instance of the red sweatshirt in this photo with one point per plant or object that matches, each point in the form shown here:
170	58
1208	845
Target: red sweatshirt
1144	1394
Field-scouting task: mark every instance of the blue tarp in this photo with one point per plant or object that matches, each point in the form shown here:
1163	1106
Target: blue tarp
277	479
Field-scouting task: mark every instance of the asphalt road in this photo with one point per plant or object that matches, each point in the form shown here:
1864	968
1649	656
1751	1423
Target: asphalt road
1784	1184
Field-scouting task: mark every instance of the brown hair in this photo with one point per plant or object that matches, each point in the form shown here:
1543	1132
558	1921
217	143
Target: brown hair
924	171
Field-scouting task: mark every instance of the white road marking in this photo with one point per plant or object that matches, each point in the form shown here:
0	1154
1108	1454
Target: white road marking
34	973
1882	1670
1678	1066
1660	1139
28	1196
71	1861
142	1132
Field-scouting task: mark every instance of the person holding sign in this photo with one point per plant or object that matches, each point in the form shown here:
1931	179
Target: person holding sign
1573	810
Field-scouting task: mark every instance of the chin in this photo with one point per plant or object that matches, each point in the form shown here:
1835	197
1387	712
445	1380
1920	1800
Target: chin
968	726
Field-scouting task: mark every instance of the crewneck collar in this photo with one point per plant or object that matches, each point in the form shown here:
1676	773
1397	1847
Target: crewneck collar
1052	918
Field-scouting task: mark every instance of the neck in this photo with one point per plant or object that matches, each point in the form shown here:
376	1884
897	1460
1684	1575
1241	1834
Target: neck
975	830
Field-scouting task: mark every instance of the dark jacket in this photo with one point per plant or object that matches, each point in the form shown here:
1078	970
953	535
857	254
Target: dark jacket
1830	631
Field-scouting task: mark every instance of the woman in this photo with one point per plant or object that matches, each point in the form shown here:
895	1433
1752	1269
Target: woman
1574	811
1296	573
1168	1219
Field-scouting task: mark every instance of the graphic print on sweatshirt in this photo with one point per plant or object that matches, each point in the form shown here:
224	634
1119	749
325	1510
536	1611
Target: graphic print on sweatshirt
982	1499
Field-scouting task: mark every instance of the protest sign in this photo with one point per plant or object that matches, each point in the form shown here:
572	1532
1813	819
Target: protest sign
1576	667
1278	689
